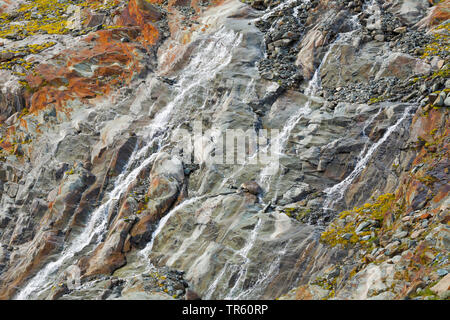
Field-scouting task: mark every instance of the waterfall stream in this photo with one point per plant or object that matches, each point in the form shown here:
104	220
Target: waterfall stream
238	244
244	254
337	192
212	55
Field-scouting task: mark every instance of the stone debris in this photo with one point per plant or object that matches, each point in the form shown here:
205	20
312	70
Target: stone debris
94	178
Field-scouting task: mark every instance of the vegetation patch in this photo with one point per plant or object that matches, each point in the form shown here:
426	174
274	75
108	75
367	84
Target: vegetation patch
44	17
351	225
296	213
326	284
440	45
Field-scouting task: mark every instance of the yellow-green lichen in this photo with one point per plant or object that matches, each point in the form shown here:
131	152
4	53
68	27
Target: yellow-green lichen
375	212
44	17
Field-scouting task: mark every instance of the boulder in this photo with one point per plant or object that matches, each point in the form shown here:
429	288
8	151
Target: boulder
167	180
94	20
251	187
402	66
442	286
296	193
347	63
410	11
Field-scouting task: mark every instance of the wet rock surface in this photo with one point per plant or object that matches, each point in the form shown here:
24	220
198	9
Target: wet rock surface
94	184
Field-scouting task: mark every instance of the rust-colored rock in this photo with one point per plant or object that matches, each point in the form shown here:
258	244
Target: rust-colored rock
15	277
55	84
310	45
142	13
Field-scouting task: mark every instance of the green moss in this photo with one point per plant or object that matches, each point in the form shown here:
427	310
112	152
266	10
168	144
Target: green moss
45	17
326	284
376	100
377	210
440	44
296	213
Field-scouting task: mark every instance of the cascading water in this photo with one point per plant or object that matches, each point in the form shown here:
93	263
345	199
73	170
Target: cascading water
211	56
279	7
236	269
144	253
251	227
265	276
280	141
239	272
337	192
314	85
93	231
244	254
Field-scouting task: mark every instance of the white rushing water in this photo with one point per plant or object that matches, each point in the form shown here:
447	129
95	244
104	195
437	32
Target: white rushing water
241	269
144	253
265	180
265	276
212	55
314	85
93	231
243	252
337	192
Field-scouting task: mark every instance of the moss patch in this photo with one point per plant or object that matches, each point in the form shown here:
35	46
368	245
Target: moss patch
343	230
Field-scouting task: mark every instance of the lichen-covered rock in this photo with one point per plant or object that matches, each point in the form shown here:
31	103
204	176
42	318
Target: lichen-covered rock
344	196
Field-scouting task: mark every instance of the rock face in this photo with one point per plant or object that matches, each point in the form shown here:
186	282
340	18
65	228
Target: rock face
333	183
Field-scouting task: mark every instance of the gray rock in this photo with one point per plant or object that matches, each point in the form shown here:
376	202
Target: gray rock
391	248
445	295
347	236
400	30
362	226
379	37
191	295
447	101
439	101
205	231
296	193
401	234
251	187
11	189
441	272
409	11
